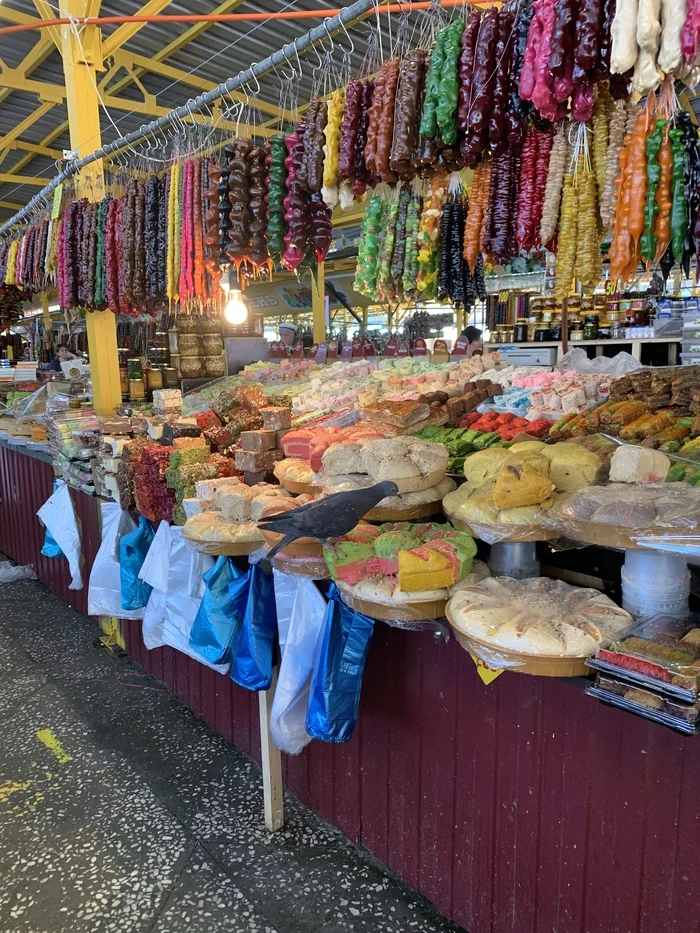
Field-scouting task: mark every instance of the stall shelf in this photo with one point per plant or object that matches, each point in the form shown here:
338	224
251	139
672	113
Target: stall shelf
633	346
517	807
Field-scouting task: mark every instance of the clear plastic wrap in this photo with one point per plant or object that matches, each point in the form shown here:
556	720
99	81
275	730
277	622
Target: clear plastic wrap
536	626
660	654
682	717
210	533
657	515
398	572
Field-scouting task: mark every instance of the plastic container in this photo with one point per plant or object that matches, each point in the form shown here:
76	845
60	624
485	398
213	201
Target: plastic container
516	559
690	359
671	607
691	347
654	571
655	583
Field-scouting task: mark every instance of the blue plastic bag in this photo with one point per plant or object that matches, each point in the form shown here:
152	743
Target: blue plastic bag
252	662
218	622
133	548
337	678
51	548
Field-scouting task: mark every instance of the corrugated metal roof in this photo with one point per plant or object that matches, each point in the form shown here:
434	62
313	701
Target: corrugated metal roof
215	54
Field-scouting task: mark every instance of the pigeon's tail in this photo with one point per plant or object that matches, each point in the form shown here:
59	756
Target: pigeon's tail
279	546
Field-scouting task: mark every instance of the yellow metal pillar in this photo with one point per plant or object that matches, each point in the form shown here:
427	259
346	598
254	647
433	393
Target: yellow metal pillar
459	320
82	59
318	303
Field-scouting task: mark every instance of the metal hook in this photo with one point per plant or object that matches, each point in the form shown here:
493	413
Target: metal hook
352	44
328	33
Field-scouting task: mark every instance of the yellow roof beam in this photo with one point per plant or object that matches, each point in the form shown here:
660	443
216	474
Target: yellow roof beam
9	178
11	206
37	149
125	32
46	141
24	125
140	63
15	17
45	11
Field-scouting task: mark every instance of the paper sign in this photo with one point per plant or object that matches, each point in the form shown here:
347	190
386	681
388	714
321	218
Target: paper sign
419	347
403	350
56	207
368	348
356	346
391	347
487	674
440	346
298	350
332	349
346	351
460	347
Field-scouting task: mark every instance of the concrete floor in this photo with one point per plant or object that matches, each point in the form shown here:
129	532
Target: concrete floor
120	811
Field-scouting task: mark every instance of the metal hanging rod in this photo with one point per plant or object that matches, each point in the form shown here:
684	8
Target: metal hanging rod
281	57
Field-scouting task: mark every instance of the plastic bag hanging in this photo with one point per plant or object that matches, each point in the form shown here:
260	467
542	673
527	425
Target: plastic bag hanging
104	586
301	611
338	670
50	548
252	662
58	515
133	548
218	622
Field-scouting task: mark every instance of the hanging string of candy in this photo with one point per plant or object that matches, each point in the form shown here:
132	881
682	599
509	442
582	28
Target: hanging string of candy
533	97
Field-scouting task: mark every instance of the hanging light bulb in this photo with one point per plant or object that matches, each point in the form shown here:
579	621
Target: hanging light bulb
236	310
224	282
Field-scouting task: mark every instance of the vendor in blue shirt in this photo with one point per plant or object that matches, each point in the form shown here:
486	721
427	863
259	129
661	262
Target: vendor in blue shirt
63	354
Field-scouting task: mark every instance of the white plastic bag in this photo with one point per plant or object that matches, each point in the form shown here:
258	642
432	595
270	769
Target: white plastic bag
171	612
154	569
301	610
616	366
58	515
105	586
11	573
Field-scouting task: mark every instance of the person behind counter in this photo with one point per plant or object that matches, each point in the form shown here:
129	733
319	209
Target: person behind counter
63	354
288	333
473	335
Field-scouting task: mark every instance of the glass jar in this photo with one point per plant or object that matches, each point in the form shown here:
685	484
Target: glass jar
170	378
137	389
190	367
173	340
124	380
214	365
134	368
189	344
212	345
520	334
186	324
542	333
155	378
590	327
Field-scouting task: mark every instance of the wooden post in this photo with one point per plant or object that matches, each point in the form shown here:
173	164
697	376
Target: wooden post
82	59
318	303
271	763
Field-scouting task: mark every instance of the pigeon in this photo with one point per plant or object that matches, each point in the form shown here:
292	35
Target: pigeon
330	517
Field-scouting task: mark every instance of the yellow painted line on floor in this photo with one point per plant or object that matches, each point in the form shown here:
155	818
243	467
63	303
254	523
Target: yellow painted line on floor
47	738
12	787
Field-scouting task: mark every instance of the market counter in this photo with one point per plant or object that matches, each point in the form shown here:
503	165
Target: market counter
518	807
26	482
523	806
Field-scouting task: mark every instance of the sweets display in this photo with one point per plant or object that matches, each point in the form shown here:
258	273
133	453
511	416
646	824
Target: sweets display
400	562
541	617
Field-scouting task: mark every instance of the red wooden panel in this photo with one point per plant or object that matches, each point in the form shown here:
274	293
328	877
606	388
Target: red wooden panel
194	674
685	853
521	807
528	774
240	717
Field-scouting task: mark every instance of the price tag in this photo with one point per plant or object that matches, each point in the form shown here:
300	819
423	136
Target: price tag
487	674
56	206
